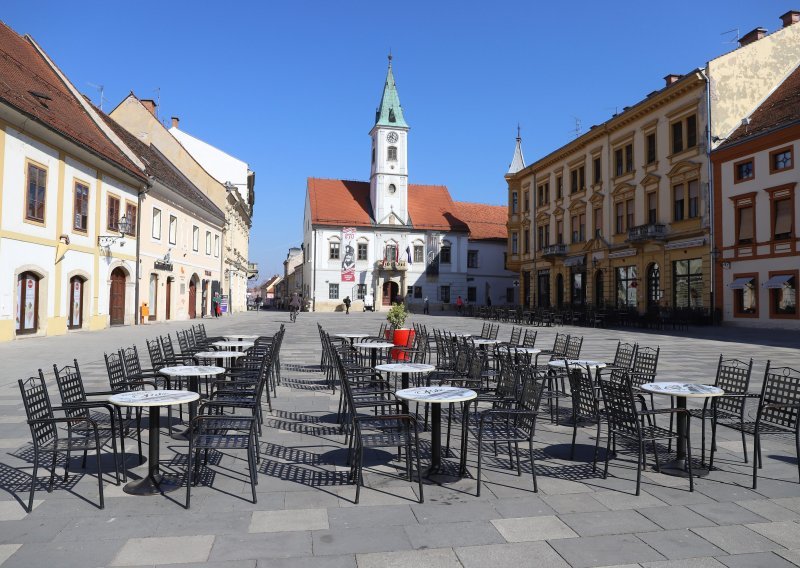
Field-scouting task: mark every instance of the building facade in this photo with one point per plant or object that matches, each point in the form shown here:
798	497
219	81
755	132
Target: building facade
757	211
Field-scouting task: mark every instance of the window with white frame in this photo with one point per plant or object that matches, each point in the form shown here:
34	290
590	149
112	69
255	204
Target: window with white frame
173	229
333	291
208	243
195	238
156	223
216	246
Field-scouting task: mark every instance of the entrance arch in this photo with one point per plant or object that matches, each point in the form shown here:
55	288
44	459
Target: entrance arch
390	291
193	297
116	307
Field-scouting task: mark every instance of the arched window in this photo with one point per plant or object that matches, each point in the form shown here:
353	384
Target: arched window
391	153
27	303
75	296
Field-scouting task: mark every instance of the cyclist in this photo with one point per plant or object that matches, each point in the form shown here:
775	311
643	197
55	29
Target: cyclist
294	307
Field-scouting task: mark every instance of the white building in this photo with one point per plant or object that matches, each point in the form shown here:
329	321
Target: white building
388	240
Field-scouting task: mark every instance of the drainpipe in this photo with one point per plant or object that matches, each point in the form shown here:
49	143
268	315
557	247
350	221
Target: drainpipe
711	232
139	197
314	270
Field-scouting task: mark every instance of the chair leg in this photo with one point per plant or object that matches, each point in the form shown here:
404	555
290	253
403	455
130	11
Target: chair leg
99	474
252	470
510	457
714	445
689	461
66	466
533	466
419	468
189	476
702	440
516	450
639	467
33	479
756	451
480	452
52	471
596	447
744	444
574	435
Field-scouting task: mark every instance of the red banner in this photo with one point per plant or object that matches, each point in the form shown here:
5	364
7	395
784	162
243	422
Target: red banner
349	254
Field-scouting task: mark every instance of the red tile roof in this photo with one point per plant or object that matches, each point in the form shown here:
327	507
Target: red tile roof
30	85
344	202
781	108
485	222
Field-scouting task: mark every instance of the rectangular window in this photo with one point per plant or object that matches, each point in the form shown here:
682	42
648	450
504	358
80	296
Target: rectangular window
560	232
514	202
509	295
781	160
208	243
36	194
687	283
361	291
627	283
629	219
409	290
582	227
540	237
628	158
744	170
694	199
81	207
419	254
444	294
173	229
361	253
333	250
578	179
472	294
444	254
677	137
559	187
691	131
526	201
619	166
619	227
783	296
745	224
651	148
745	296
573	181
112	223
514	243
678	200
597	170
216	246
195	238
333	291
131	211
783	219
418	291
391	153
156	224
574	226
598	222
652	208
526	241
472	259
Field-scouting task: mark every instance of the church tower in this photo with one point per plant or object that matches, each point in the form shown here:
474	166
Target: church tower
388	181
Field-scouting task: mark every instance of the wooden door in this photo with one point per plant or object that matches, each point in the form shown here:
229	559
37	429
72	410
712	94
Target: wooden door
192	299
389	293
169	298
75	303
116	308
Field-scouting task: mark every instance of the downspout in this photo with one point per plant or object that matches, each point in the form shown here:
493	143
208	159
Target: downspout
314	271
137	314
711	232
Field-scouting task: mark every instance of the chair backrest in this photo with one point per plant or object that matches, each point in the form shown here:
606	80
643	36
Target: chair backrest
574	345
508	378
529	400
530	338
516	334
200	332
583	392
733	376
116	373
485	330
70	387
625	355
37	407
166	347
154	350
620	405
560	346
183	341
781	386
494	330
645	366
130	360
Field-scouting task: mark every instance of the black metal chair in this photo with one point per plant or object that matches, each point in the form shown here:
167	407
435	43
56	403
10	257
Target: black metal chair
626	421
530	338
623	357
81	434
585	396
778	413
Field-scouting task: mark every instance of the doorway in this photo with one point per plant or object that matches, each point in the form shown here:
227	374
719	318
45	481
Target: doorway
653	287
27	303
192	299
116	308
390	291
75	303
169	298
153	297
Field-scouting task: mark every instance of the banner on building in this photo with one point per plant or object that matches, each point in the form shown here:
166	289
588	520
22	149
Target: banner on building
432	266
348	254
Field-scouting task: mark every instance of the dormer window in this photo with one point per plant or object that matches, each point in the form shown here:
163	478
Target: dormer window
391	153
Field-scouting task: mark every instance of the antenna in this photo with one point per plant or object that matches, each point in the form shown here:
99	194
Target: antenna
577	126
158	99
102	90
730	32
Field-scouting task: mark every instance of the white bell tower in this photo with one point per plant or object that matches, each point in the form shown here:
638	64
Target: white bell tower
389	171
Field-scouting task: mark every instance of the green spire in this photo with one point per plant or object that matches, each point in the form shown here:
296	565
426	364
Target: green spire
389	112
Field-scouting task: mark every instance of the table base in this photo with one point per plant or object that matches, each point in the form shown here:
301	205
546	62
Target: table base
677	468
151	485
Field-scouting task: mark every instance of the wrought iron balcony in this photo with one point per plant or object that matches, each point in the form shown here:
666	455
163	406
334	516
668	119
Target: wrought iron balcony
554	250
648	232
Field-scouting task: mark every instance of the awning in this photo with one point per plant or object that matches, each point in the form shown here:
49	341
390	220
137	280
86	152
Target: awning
578	260
778	281
741	283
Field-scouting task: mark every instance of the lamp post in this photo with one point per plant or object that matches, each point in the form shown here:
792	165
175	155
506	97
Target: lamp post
124	228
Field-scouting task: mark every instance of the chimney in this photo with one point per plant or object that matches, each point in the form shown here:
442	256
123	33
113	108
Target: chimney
671	78
790	17
752	36
150	105
175	121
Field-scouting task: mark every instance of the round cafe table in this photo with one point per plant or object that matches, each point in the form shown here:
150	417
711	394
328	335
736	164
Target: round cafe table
436	397
481	342
225	357
405	370
153	482
352	336
193	373
374	346
587	363
234	345
241	337
682	391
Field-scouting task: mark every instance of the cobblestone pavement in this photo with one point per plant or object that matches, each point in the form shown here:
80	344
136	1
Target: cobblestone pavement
305	514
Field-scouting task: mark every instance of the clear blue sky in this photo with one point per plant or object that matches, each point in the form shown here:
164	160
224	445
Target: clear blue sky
291	87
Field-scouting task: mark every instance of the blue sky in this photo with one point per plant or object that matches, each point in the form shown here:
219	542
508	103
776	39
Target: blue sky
291	87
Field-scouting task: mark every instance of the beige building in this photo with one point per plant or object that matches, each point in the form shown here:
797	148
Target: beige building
622	216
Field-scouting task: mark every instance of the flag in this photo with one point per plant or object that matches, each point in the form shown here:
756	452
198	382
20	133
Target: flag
408	255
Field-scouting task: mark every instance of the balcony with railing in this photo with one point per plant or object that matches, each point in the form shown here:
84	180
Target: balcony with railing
552	251
648	232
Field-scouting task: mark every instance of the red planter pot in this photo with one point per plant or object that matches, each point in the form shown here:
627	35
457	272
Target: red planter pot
402	337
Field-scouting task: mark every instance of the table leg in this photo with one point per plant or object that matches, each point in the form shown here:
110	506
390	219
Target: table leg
194	386
464	434
436	438
374	358
154	482
404	385
677	467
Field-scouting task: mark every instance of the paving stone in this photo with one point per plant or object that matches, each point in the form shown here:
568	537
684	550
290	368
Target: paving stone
791	503
261	545
785	533
523	507
453	534
527	529
675	517
770	510
6	550
760	559
792	556
679	543
604	550
376	516
452	513
736	539
537	554
726	513
685	563
164	550
617	501
609	522
64	554
344	561
14	511
433	558
573	503
288	520
360	540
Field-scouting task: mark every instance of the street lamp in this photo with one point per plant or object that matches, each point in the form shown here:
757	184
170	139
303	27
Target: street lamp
124	226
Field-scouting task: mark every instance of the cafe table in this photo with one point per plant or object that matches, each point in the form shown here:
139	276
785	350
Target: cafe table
436	397
558	364
374	346
194	373
352	336
225	357
241	337
405	370
680	392
481	342
154	482
234	345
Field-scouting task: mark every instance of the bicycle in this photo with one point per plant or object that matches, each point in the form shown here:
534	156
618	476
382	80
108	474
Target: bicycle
293	315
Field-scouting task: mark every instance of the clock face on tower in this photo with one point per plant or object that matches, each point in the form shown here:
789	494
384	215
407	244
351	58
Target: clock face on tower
391	137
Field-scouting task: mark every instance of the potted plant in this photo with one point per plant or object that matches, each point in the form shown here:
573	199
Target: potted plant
399	335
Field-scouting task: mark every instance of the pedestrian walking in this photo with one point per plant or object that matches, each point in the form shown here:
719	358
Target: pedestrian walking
346	304
459	305
215	304
426	306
